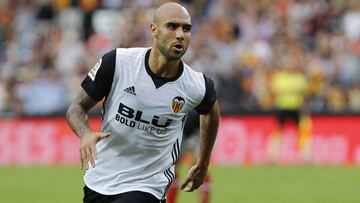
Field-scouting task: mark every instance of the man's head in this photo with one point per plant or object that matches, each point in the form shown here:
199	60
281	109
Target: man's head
171	30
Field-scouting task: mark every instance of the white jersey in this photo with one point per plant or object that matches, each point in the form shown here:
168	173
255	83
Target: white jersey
145	115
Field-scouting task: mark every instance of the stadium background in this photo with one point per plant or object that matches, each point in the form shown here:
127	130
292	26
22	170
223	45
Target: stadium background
47	47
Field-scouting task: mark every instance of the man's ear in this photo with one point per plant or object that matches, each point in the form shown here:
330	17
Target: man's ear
154	30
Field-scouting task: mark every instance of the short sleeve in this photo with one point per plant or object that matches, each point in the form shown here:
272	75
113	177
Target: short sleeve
209	99
97	83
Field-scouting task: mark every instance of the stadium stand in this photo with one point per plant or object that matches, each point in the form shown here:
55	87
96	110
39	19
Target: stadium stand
47	47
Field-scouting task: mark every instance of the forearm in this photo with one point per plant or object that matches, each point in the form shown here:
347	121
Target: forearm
77	119
209	125
76	115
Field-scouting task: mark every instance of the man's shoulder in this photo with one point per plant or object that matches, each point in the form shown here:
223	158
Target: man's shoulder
190	72
131	52
193	80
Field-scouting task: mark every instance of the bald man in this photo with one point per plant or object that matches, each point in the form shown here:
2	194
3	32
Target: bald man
146	93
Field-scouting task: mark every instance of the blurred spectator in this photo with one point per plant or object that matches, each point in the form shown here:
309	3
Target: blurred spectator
354	98
336	98
44	95
3	95
352	21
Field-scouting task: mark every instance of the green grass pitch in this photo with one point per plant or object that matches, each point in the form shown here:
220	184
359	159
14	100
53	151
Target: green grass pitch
249	184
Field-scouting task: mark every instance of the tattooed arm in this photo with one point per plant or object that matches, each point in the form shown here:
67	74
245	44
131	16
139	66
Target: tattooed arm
77	113
209	124
78	121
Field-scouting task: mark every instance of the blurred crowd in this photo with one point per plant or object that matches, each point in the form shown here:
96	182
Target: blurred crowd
47	48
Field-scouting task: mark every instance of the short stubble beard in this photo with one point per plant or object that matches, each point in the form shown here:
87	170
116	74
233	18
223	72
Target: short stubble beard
170	55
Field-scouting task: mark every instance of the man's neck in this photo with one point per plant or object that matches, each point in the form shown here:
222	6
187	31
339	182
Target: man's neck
162	67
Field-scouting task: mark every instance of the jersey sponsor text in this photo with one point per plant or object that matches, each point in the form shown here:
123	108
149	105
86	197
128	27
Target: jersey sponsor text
126	116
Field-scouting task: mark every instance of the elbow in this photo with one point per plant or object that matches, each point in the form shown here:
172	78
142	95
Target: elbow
216	111
68	113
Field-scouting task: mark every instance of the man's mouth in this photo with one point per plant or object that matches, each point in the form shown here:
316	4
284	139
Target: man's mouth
179	46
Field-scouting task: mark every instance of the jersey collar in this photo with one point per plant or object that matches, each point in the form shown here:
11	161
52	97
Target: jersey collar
158	80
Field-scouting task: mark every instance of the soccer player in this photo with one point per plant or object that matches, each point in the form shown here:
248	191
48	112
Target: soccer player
147	93
189	146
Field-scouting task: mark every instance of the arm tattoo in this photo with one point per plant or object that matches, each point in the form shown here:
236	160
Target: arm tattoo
77	113
85	100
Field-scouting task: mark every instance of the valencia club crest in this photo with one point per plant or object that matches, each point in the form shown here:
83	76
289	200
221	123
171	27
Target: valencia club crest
177	104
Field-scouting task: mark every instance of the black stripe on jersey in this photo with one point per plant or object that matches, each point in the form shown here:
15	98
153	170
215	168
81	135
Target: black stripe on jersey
160	81
178	149
168	185
173	157
167	176
170	176
175	152
209	98
101	86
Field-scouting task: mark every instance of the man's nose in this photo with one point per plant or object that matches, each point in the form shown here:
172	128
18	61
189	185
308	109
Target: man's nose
179	34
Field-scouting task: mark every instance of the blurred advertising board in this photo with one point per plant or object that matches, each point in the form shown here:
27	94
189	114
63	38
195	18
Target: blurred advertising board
325	140
40	141
329	140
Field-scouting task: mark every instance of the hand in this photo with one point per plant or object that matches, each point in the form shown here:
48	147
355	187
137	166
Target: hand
88	147
194	179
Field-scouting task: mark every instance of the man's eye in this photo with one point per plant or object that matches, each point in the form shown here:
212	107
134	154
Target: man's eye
187	28
172	26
